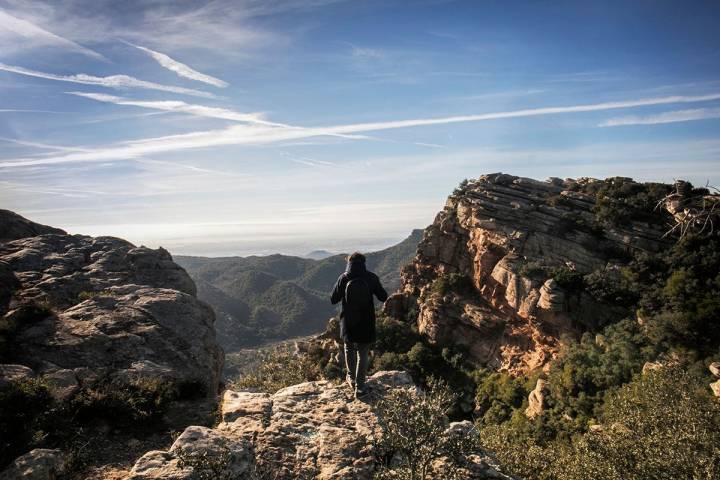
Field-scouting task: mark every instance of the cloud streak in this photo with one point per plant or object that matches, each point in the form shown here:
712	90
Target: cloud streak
196	110
179	107
262	134
665	117
181	69
36	36
113	81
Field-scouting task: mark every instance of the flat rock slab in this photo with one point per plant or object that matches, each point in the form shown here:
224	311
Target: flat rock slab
310	430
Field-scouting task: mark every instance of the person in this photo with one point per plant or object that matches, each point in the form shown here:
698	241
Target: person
356	287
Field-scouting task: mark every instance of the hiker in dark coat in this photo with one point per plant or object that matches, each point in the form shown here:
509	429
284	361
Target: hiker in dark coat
356	287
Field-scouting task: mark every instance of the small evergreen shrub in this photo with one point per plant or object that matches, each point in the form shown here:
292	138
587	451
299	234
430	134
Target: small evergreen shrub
414	425
452	283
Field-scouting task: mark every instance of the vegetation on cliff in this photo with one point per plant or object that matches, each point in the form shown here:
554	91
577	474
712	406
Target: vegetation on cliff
628	395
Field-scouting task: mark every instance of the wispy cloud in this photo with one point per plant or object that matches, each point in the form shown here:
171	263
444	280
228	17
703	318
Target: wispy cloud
260	134
178	106
43	146
113	81
196	110
18	33
665	117
181	69
531	112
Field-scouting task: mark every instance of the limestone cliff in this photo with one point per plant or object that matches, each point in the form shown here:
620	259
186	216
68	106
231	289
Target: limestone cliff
489	271
77	308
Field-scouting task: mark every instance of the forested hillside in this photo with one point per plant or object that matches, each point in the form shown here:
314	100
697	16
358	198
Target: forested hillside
268	298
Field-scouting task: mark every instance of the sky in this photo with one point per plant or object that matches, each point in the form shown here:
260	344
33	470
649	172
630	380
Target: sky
239	127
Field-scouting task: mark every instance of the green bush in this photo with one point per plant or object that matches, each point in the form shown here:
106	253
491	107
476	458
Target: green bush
414	425
125	403
662	425
452	283
497	395
568	279
609	287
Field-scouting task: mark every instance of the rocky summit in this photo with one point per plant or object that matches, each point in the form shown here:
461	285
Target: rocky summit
481	277
79	308
312	430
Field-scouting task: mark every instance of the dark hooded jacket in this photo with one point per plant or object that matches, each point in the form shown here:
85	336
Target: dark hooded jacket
365	333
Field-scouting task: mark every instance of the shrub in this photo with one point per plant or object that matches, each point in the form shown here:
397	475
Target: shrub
124	403
497	395
279	369
414	434
452	283
86	295
567	278
558	200
662	425
208	465
461	189
534	270
609	286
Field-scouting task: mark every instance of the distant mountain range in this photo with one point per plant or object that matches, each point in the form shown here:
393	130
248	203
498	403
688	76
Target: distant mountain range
259	299
318	254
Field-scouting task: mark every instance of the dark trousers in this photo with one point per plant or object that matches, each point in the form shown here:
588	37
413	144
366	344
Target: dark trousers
356	362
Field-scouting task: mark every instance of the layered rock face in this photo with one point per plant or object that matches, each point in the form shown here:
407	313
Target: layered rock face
82	308
311	430
474	279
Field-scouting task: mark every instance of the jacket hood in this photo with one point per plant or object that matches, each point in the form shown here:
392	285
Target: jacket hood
356	268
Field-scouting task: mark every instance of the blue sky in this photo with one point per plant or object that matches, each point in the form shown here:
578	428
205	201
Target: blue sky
241	127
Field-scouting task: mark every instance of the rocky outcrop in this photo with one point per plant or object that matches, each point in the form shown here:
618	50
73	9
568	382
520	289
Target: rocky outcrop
15	226
536	400
481	277
82	308
311	430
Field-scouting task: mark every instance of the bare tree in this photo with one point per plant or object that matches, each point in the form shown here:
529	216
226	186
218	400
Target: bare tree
694	211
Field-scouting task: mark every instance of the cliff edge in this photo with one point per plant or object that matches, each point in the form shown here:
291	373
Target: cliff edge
496	270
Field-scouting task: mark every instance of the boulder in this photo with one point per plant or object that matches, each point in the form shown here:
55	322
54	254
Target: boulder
536	400
10	373
87	308
38	464
63	383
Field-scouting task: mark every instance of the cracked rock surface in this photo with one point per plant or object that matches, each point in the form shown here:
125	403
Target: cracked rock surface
310	430
86	308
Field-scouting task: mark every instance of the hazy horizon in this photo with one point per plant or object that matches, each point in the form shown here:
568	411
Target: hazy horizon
243	127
